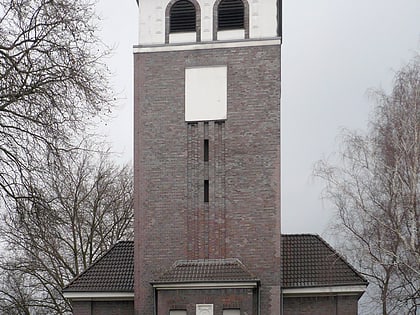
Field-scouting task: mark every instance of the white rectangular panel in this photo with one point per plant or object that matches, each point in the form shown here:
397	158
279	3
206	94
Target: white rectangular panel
190	37
204	309
231	34
206	93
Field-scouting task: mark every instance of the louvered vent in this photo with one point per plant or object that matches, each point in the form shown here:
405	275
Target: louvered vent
231	15
182	17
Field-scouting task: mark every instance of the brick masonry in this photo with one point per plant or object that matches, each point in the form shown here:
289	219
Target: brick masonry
243	218
103	308
243	299
321	305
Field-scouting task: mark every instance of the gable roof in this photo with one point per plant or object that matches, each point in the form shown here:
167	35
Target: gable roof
112	272
307	261
208	270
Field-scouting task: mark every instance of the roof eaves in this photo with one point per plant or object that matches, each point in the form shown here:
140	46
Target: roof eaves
99	295
205	281
207	285
338	284
326	290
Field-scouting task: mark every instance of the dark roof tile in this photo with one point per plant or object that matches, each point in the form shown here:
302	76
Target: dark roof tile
113	272
205	271
309	261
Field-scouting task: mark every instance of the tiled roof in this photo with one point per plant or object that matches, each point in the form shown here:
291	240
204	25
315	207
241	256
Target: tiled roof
113	272
309	261
209	270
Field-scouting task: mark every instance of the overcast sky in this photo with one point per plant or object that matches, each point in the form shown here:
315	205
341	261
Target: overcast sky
333	51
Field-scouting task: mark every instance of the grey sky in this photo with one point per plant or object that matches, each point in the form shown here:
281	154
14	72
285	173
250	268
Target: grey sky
333	51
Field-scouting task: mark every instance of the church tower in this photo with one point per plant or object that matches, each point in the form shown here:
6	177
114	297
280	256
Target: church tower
207	158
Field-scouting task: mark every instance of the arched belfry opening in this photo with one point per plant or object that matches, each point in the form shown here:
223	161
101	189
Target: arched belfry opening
231	15
230	20
182	17
182	21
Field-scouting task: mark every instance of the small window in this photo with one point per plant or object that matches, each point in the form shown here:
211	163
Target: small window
206	150
178	312
206	190
231	15
232	312
182	17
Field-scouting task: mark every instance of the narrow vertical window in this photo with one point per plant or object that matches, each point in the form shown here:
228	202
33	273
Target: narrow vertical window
206	190
206	150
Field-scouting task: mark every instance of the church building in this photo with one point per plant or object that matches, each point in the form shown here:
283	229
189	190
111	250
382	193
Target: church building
207	178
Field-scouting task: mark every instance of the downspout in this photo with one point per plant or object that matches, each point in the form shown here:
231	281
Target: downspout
154	301
281	301
336	305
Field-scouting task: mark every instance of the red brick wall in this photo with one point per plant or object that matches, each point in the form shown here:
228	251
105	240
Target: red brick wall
244	219
103	308
325	305
113	308
81	307
242	299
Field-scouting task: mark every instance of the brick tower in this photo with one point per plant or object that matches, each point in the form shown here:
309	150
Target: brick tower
207	157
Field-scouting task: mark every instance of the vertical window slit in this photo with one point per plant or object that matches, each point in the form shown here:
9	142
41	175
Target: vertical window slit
206	150
206	190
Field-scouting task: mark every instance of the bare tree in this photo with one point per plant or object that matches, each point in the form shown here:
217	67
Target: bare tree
52	82
375	187
60	208
15	294
83	206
